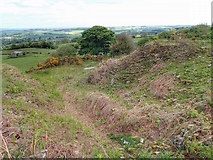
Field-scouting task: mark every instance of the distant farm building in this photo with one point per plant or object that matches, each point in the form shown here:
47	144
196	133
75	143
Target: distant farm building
17	54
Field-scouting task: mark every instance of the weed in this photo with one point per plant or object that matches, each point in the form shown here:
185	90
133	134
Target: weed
192	113
144	154
126	140
199	150
115	154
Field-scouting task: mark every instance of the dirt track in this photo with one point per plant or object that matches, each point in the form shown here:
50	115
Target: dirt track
98	133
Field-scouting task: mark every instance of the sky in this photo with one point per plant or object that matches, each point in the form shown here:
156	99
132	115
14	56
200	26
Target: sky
87	13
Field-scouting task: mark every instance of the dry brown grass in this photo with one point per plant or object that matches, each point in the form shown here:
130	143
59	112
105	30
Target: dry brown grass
162	85
157	67
119	119
100	105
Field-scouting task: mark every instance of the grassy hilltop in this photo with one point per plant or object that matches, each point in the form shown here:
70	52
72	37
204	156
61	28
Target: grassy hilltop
153	103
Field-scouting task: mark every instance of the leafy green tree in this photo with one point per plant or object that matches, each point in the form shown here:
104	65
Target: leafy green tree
123	45
95	40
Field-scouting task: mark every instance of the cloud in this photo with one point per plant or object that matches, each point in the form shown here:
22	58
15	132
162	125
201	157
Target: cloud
72	13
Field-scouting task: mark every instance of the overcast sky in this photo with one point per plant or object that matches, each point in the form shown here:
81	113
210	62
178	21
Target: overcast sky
87	13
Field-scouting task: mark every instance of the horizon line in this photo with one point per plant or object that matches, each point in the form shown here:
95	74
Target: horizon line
22	28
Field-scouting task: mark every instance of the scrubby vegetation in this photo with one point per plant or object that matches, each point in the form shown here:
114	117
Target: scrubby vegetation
146	39
152	103
65	60
199	32
54	61
123	45
65	50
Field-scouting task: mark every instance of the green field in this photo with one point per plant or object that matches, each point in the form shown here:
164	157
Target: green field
42	50
75	32
26	62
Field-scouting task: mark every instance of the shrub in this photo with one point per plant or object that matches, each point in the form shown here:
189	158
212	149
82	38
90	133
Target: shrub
78	61
40	66
66	60
72	60
201	31
53	61
65	50
88	57
123	45
164	35
143	41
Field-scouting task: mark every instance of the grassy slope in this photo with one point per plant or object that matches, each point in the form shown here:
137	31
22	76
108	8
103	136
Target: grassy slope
190	92
38	101
73	79
190	95
24	63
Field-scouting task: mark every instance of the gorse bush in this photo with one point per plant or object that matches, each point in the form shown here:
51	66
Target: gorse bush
66	60
88	57
57	61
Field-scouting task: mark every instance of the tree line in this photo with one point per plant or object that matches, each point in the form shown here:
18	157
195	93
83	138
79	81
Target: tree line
40	44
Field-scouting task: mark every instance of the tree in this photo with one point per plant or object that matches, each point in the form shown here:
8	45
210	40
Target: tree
123	45
65	50
95	40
